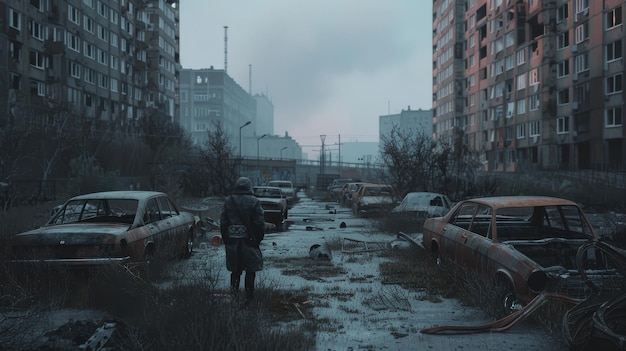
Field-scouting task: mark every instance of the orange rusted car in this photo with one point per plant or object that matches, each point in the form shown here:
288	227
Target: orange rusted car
527	244
115	227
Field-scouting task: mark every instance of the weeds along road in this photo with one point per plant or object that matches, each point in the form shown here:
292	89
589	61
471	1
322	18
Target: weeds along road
355	306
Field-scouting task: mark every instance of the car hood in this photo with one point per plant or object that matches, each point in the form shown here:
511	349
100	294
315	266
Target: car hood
71	234
270	200
422	208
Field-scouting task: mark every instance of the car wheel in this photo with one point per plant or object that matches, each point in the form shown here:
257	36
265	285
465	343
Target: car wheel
508	302
188	246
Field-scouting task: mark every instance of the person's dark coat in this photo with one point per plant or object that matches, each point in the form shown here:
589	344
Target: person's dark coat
242	207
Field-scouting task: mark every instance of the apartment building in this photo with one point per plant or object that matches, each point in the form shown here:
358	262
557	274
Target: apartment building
209	96
531	84
106	62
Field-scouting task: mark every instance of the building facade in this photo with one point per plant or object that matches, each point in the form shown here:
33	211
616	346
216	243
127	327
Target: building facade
409	121
108	63
210	96
533	84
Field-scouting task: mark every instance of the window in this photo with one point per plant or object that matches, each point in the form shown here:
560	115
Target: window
37	4
103	81
113	39
562	97
521	56
562	125
113	16
510	109
114	62
15	20
113	85
521	130
103	33
614	18
521	106
102	57
614	51
73	42
534	128
562	40
614	84
581	62
36	59
88	3
74	69
562	69
521	81
89	75
533	102
582	5
102	8
582	32
37	88
533	77
509	62
36	29
613	117
88	24
90	51
72	14
15	51
562	13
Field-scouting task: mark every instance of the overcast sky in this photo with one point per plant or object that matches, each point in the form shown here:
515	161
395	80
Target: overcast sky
329	66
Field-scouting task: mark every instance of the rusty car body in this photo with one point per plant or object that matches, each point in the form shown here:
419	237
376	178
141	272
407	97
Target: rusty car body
286	187
274	203
373	199
526	244
114	227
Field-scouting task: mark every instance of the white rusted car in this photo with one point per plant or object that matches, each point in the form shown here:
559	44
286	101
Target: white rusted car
108	227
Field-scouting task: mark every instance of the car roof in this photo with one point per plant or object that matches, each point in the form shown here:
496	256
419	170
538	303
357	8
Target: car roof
120	194
520	201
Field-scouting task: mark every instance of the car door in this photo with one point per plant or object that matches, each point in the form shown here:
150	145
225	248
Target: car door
473	244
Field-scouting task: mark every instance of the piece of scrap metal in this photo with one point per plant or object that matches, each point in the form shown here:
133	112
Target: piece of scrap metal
99	338
351	246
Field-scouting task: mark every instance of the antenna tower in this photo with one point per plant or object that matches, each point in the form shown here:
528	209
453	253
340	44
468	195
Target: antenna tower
225	49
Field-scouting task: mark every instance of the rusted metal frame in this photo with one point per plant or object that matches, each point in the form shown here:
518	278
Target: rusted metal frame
365	244
504	323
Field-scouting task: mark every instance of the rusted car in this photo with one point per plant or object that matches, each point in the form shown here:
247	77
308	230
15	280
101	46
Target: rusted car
373	199
527	244
347	191
286	187
417	206
274	204
115	227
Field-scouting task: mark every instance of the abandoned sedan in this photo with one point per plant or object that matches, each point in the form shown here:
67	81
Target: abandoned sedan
415	207
527	244
274	204
108	227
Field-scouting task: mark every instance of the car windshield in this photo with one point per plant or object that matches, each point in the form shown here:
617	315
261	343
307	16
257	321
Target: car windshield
267	192
96	210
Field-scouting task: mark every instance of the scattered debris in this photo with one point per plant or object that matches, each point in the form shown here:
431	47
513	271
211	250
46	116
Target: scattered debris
319	253
97	341
361	246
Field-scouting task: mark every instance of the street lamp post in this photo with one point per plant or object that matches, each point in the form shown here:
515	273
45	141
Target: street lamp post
322	156
281	152
245	124
257	148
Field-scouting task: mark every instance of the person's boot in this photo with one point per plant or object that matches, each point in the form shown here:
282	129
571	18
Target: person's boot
249	284
234	283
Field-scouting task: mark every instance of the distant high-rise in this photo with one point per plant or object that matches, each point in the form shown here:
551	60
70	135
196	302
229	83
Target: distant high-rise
533	84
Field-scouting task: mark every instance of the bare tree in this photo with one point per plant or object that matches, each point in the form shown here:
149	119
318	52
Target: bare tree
219	160
416	162
407	156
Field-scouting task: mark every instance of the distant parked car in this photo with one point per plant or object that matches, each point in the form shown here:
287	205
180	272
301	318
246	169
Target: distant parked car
348	190
274	204
527	244
335	187
115	227
286	187
416	207
373	199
